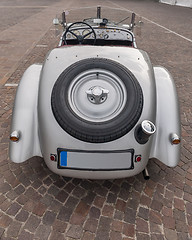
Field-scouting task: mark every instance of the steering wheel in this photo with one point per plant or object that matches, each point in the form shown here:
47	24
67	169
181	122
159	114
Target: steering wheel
80	38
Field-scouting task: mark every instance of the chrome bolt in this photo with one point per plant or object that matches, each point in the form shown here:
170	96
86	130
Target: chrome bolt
97	94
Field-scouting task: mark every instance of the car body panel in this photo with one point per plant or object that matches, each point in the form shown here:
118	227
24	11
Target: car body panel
38	139
25	117
168	119
52	138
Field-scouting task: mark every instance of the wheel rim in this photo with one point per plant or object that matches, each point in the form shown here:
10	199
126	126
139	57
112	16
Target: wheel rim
106	86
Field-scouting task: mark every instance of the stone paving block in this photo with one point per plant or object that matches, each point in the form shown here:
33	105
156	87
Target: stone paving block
82	209
59	226
118	215
65	214
89	197
5	220
43	232
103	228
108	211
47	199
71	202
25	235
130	215
22	216
156	205
155	217
170	234
55	206
169	222
5	205
120	205
42	190
167	211
115	235
117	226
4	187
88	236
56	236
79	192
124	194
142	225
99	201
13	209
156	228
111	198
145	200
129	230
1	231
61	196
91	225
36	184
11	195
39	209
19	189
29	205
101	191
77	219
157	237
142	236
53	190
13	229
143	213
75	232
48	218
32	223
94	212
2	198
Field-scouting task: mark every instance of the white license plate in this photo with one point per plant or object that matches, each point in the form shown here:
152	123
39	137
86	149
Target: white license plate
94	160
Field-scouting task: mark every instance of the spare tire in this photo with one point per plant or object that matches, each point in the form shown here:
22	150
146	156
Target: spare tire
97	100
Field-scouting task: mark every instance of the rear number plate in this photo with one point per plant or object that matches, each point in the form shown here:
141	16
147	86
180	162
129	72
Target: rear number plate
94	160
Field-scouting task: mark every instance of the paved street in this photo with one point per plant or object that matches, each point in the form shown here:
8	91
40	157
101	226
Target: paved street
37	204
23	24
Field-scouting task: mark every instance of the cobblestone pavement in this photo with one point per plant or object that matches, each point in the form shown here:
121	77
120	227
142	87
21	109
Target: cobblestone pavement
37	204
22	24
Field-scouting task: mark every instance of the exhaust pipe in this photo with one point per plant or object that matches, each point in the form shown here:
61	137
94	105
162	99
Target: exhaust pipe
146	174
144	131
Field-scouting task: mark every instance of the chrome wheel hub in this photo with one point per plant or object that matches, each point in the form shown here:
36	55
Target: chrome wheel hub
97	95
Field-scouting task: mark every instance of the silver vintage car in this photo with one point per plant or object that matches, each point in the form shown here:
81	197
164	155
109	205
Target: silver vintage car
96	108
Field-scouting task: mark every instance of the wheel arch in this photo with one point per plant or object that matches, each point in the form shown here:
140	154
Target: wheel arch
24	117
167	119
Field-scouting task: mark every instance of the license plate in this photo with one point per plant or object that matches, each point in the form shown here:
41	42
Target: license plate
96	160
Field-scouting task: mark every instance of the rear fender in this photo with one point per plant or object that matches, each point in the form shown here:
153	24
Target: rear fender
24	118
167	119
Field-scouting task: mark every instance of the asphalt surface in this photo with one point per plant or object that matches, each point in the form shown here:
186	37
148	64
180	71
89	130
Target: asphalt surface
37	204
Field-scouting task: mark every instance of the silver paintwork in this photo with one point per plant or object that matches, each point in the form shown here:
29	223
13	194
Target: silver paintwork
24	117
156	84
168	119
137	61
41	135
